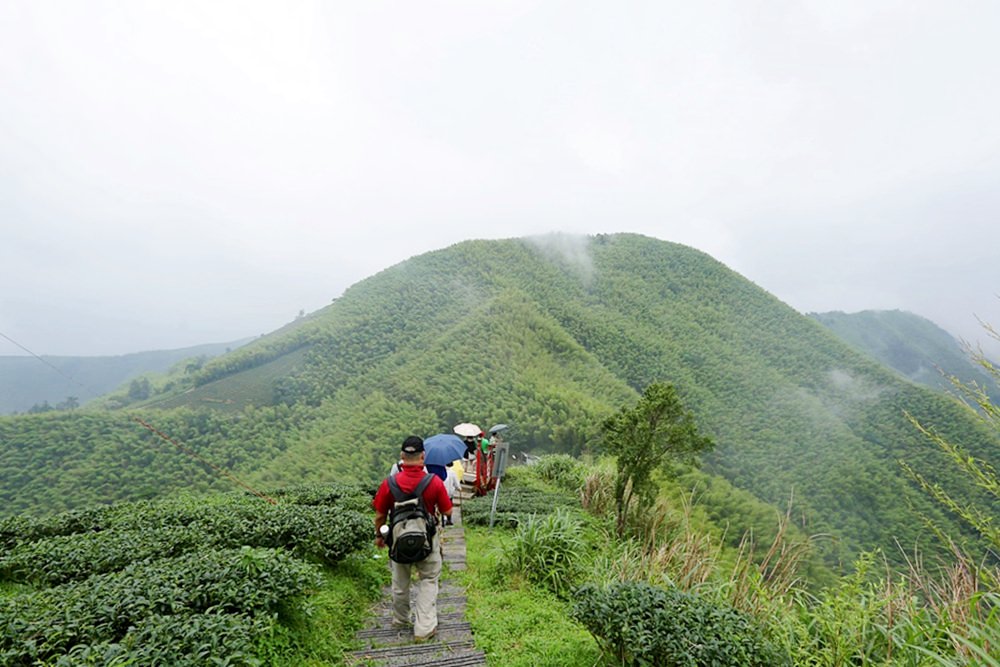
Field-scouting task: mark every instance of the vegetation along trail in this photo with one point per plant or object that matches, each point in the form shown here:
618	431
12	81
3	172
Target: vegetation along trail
831	510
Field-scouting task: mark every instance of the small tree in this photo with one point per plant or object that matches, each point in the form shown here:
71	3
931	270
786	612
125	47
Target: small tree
139	389
658	431
71	403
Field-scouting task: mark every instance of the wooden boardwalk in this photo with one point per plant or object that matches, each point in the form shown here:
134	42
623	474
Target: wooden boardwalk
453	645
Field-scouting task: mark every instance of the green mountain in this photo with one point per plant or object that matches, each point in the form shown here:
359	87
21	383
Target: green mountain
550	335
916	347
26	382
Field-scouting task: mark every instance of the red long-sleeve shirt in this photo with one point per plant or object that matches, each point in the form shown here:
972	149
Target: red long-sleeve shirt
435	496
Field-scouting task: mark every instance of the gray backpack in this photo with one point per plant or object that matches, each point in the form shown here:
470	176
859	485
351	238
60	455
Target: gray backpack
411	526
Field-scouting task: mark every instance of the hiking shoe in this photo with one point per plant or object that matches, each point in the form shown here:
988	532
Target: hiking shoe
425	638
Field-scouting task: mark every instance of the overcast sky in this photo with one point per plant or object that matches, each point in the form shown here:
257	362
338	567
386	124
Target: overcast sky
184	172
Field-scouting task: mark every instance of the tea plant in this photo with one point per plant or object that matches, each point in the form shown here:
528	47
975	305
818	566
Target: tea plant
514	505
315	532
640	624
161	596
186	581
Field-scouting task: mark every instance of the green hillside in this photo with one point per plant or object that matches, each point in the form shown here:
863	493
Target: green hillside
26	383
916	347
550	336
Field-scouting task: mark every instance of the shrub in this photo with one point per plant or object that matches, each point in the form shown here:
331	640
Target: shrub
317	533
162	598
639	624
562	470
188	580
548	550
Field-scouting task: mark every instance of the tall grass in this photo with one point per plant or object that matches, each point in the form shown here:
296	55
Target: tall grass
562	470
896	618
548	550
962	601
922	615
661	546
756	583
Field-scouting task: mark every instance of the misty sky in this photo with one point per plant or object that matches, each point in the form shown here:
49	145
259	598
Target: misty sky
184	172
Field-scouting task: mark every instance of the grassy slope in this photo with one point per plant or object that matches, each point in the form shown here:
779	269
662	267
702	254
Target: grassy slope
254	386
870	617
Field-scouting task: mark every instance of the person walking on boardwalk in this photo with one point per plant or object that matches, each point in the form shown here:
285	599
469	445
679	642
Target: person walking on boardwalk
413	479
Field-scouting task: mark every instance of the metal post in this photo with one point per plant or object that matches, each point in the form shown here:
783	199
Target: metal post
496	494
500	451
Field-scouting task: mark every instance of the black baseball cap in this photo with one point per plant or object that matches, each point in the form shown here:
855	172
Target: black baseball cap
413	445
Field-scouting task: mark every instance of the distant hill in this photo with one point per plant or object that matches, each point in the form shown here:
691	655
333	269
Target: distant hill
550	335
916	347
26	382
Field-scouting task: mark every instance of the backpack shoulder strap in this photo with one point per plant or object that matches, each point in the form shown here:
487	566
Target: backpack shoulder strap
400	495
395	490
424	483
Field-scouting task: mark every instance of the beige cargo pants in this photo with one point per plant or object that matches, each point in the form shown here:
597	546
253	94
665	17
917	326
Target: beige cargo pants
422	578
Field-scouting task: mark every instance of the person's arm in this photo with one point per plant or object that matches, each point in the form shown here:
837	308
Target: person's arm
380	518
381	505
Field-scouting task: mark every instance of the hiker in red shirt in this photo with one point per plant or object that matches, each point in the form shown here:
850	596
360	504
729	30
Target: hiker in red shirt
436	500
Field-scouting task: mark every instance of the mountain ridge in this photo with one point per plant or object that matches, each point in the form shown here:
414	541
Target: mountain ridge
913	345
26	382
551	336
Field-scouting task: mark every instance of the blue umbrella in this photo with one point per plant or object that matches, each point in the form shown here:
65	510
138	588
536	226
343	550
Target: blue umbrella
442	449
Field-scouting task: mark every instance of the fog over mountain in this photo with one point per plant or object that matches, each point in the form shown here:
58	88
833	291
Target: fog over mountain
176	174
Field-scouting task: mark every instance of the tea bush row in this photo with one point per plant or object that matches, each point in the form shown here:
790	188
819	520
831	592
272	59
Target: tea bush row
178	510
184	581
640	624
185	640
321	533
64	558
514	505
219	591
